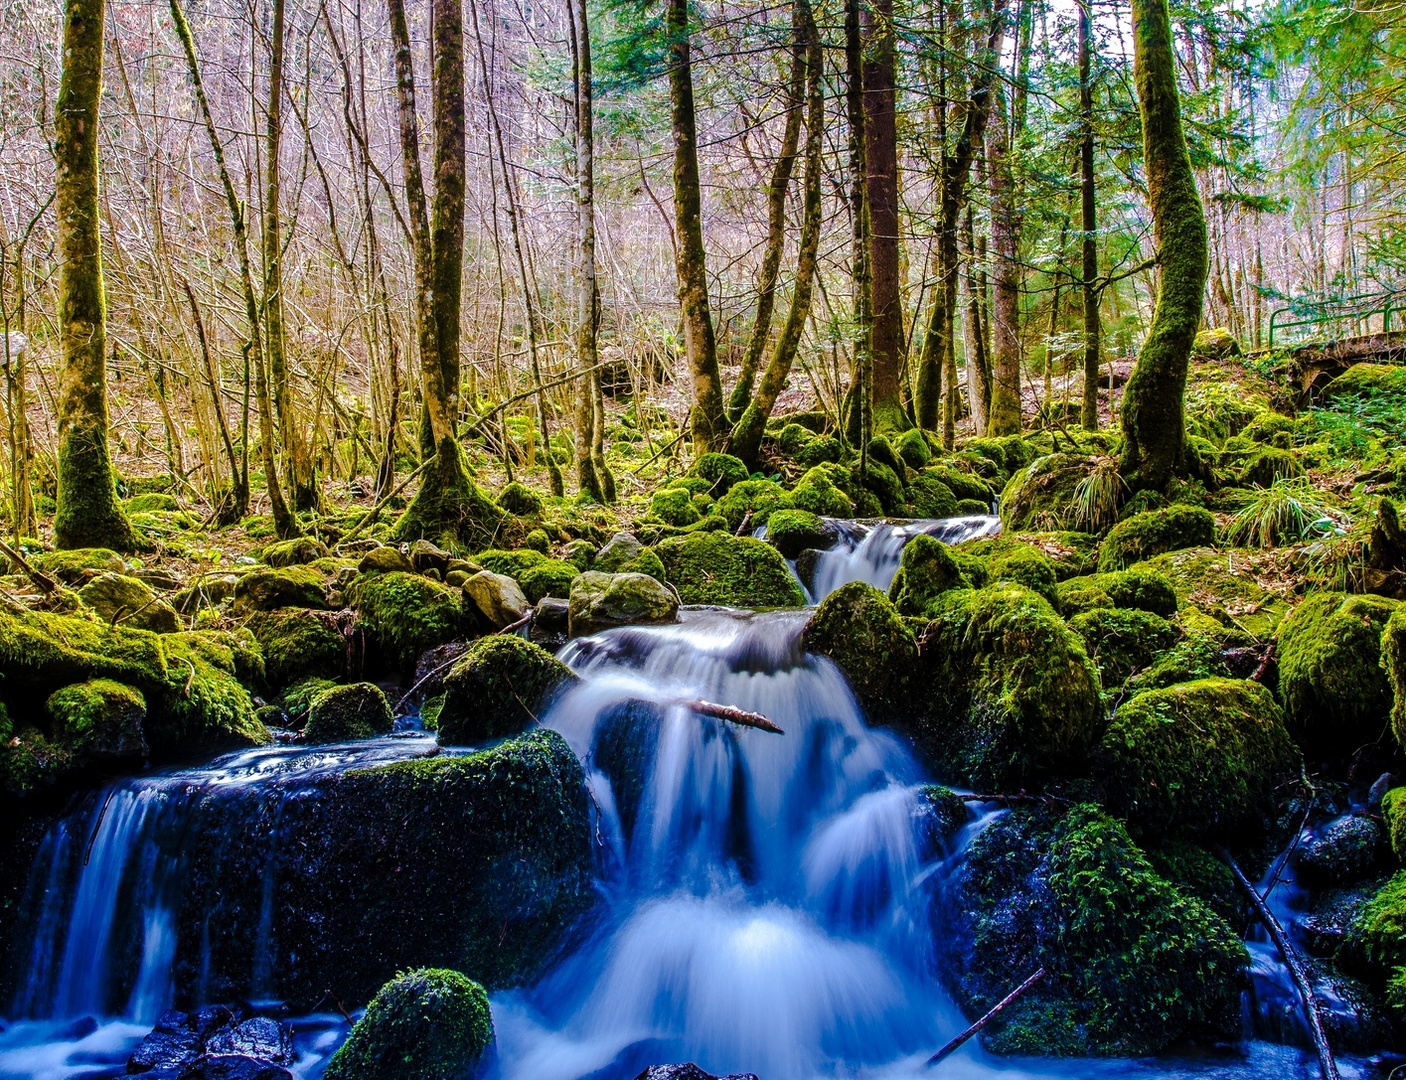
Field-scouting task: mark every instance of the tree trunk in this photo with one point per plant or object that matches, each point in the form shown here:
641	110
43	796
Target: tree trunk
1153	404
707	420
776	231
1088	415
1005	279
862	389
747	435
88	513
447	221
978	365
881	161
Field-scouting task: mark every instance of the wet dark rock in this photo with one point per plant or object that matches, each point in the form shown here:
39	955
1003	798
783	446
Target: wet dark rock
258	1037
215	1042
209	1019
1348	850
551	622
687	1071
1332	912
235	1067
171	1049
434	664
1355	1020
806	563
1380	787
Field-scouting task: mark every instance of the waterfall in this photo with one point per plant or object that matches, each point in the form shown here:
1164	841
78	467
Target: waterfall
870	551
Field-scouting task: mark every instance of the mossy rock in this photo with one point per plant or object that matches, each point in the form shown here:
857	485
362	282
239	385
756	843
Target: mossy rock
265	588
1039	496
31	765
1137	588
511	563
517	498
926	570
297	645
819	450
942	811
1196	760
41	652
155	502
930	497
962	483
431	1024
818	493
792	438
405	614
756	497
1375	943
500	687
553	577
792	531
76	565
1336	695
881	482
295	552
1351	849
602	601
1199	873
119	598
1133	964
386	559
1007	452
1122	641
1268	464
1013	697
1217	344
1394	817
912	448
343	713
674	506
1366	380
1393	645
738	571
1025	565
722	471
1143	536
1229	586
202	708
99	721
1073	554
861	632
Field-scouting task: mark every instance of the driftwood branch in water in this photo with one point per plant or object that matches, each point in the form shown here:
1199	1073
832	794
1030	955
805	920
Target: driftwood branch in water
1000	1007
1012	800
733	715
1326	1063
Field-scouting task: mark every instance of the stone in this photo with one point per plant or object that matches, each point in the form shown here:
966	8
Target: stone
600	601
170	1048
235	1067
265	588
295	552
119	598
687	1071
384	560
357	711
425	556
1350	849
496	597
551	622
620	549
258	1037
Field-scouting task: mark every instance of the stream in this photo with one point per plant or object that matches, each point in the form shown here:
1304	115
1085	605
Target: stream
763	905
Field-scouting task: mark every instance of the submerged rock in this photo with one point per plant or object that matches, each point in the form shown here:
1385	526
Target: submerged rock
688	1071
499	687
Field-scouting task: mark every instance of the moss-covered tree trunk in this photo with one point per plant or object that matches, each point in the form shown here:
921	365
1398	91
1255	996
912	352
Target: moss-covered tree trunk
88	514
707	419
861	421
1004	418
1088	413
881	167
447	221
1153	404
978	363
747	435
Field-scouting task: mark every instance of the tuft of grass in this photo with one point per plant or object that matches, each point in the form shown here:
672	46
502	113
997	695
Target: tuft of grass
1286	512
1097	496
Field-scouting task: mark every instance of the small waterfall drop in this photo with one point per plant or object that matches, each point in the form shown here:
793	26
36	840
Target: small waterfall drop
870	551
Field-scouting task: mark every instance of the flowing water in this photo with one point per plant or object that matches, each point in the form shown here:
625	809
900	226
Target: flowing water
764	897
869	551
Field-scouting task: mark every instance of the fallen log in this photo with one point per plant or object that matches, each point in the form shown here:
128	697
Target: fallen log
996	1010
733	715
1326	1062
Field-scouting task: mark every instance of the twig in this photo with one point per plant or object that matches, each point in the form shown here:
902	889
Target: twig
746	521
427	677
1021	798
88	853
733	715
1000	1007
370	515
1326	1062
1264	664
662	450
44	581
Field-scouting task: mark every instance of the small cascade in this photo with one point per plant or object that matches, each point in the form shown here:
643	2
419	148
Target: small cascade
870	551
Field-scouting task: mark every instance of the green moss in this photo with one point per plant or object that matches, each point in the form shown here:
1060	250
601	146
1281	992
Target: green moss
930	497
792	438
1336	695
98	720
1013	697
674	506
925	571
722	471
552	577
342	713
498	688
757	497
296	701
1040	495
511	563
1367	380
1138	588
1196	760
1079	595
297	644
792	531
716	568
1394	816
450	509
1393	647
520	499
30	764
646	562
119	598
944	810
912	448
1025	565
1145	535
883	484
152	502
1197	872
1121	642
72	567
600	601
817	492
1267	465
265	588
821	449
295	552
40	652
857	628
962	483
1196	656
431	1024
405	614
202	708
1376	939
1229	586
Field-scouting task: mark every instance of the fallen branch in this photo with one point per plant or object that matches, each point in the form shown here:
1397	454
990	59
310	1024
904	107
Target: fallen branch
1258	676
44	581
1000	1007
733	715
1326	1063
371	515
1013	800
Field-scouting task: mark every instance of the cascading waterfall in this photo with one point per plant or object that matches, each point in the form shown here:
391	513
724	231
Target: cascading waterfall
764	897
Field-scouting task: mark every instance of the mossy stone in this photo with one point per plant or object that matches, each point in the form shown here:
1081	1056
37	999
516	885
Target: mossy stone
405	614
1199	873
1336	695
40	652
615	553
962	483
498	688
158	502
943	810
819	450
99	721
266	587
1226	585
722	471
497	598
738	571
517	498
861	632
792	438
511	563
553	577
912	448
792	531
1350	849
202	708
1375	942
1393	646
1143	536
430	1024
1025	565
119	598
601	601
926	570
930	497
342	713
1268	464
818	493
295	552
298	644
386	559
881	481
1394	817
674	506
76	565
1039	496
1122	641
756	497
1196	760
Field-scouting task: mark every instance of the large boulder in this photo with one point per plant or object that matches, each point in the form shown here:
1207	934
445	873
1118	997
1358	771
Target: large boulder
1143	536
738	571
405	614
860	630
342	713
386	559
1040	495
119	598
73	566
500	687
497	598
1138	588
298	644
600	601
1197	760
295	552
792	531
429	1024
99	722
1121	641
926	570
265	588
1232	587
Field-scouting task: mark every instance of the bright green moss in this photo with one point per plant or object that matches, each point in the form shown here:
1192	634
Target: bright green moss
1229	586
821	449
1039	496
152	502
912	448
716	568
202	708
857	628
722	471
405	614
265	588
552	577
1122	641
1025	565
1196	760
431	1024
674	506
1376	940
295	552
511	563
1196	656
342	713
962	484
930	497
98	720
72	566
1393	647
1145	535
1394	815
1336	695
40	652
119	598
926	570
818	492
298	644
1268	464
792	438
498	688
883	484
792	531
756	497
520	499
1197	872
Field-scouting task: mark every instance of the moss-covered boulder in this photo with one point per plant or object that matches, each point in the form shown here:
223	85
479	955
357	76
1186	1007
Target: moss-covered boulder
616	553
1012	696
752	501
1351	849
500	687
1393	646
1123	640
99	722
926	570
517	498
880	480
202	708
1140	588
1336	695
497	598
930	497
119	598
1236	588
1268	464
722	471
1394	818
1199	873
295	552
405	614
601	601
152	502
962	482
74	566
1133	964
912	447
1143	536
1196	760
860	630
550	577
297	645
1025	565
430	1024
1375	943
792	531
1039	495
266	587
40	652
818	492
674	506
739	571
386	559
342	713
